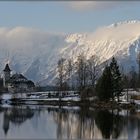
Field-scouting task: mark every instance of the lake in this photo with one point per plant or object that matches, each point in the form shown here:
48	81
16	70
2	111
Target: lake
29	122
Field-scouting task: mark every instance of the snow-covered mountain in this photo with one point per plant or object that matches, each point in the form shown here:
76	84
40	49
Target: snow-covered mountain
35	53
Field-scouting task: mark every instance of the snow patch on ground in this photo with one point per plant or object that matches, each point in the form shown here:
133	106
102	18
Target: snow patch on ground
6	96
39	96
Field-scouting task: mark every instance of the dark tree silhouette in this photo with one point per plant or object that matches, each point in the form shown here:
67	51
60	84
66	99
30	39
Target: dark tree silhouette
116	78
104	85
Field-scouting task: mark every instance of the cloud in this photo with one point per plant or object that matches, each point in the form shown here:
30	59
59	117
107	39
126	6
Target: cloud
86	5
97	5
82	5
22	47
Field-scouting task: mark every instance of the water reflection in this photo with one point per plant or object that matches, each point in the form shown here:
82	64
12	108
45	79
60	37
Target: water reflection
66	123
16	115
109	124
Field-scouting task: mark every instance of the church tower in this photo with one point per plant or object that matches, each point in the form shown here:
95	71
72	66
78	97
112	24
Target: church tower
7	72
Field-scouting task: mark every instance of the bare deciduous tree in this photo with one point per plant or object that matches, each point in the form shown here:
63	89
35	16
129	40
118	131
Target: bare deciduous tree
69	72
81	71
92	70
61	78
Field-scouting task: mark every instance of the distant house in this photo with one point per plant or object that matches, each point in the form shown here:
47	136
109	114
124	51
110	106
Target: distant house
16	82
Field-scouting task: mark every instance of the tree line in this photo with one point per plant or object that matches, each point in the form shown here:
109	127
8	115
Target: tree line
77	74
90	79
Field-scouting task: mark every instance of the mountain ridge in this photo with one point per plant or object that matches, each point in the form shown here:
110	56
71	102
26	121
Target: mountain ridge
35	53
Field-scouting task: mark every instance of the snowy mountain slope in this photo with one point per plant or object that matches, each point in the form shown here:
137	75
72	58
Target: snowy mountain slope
35	53
31	52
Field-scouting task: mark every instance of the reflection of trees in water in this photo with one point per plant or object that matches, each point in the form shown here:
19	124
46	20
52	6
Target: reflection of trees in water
16	116
109	124
104	121
64	119
76	124
138	129
81	123
86	123
73	124
119	122
6	123
134	124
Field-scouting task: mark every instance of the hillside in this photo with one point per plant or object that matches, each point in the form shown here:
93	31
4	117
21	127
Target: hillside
35	53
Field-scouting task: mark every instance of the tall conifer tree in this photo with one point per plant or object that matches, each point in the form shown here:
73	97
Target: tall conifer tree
104	85
116	78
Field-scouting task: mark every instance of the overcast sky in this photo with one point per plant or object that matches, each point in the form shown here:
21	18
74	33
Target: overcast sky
67	16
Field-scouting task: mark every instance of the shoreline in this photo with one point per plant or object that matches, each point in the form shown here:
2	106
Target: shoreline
85	103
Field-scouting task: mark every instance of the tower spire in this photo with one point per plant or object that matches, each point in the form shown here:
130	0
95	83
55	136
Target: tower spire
7	68
7	71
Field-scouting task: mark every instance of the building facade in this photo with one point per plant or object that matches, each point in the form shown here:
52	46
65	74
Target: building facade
16	82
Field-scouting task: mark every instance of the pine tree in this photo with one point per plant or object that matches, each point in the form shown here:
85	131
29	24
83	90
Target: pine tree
116	78
104	85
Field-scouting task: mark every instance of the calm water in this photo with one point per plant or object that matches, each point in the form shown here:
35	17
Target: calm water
67	123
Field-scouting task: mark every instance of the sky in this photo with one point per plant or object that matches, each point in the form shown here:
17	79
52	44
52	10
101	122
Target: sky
67	17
